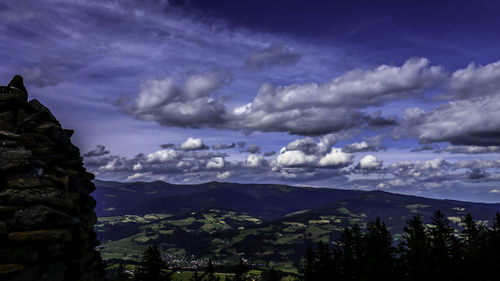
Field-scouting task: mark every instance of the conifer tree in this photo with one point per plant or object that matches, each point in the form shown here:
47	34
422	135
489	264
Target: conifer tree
379	253
492	256
151	266
442	246
426	253
323	263
415	250
351	245
307	268
473	248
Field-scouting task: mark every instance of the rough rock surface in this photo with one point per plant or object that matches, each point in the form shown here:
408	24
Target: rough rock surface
46	213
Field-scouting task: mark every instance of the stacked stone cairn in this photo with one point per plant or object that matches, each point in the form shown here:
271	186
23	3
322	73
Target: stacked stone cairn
46	213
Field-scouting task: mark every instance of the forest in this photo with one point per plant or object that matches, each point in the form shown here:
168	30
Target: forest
432	251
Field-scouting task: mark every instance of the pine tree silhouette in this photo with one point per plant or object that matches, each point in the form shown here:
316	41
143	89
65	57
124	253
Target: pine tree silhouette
493	249
429	253
415	251
151	267
323	263
351	245
307	269
442	243
379	253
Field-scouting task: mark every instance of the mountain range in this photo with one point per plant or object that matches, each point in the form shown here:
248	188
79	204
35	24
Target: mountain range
266	224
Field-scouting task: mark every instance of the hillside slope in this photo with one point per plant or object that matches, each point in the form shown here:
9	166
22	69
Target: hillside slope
268	224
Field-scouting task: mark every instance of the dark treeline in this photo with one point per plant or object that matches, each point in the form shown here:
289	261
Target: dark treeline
435	252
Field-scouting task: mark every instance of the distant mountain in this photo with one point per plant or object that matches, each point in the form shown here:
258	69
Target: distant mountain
395	209
265	223
260	200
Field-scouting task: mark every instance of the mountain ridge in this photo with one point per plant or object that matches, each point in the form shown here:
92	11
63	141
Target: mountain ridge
188	189
268	224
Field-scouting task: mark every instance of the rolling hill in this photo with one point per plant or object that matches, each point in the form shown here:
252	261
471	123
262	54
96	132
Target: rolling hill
267	224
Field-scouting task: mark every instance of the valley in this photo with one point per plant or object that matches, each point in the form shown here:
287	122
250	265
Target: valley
266	225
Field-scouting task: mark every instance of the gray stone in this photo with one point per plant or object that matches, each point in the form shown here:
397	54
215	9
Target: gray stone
49	196
21	116
45	126
6	212
3	228
13	158
11	94
29	273
27	181
28	254
6	126
43	236
42	216
46	212
7	116
10	143
5	135
17	83
10	268
69	133
37	106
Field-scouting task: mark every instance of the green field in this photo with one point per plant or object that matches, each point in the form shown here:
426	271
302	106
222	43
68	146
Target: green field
270	232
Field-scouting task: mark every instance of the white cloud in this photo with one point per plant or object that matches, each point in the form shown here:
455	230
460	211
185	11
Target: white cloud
247	108
136	176
477	163
400	182
223	175
110	166
203	85
433	164
295	158
472	149
191	104
216	163
165	155
156	92
307	152
253	160
357	88
474	81
336	158
369	144
464	122
193	144
137	167
370	162
359	145
303	109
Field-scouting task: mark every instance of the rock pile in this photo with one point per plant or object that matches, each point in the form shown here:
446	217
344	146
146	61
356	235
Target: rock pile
46	213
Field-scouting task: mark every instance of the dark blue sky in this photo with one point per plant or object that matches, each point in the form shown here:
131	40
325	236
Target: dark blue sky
393	95
454	32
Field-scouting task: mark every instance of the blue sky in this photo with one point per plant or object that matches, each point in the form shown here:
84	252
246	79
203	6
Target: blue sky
391	95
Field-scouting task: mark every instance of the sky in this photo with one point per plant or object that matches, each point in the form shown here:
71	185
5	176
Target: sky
400	96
